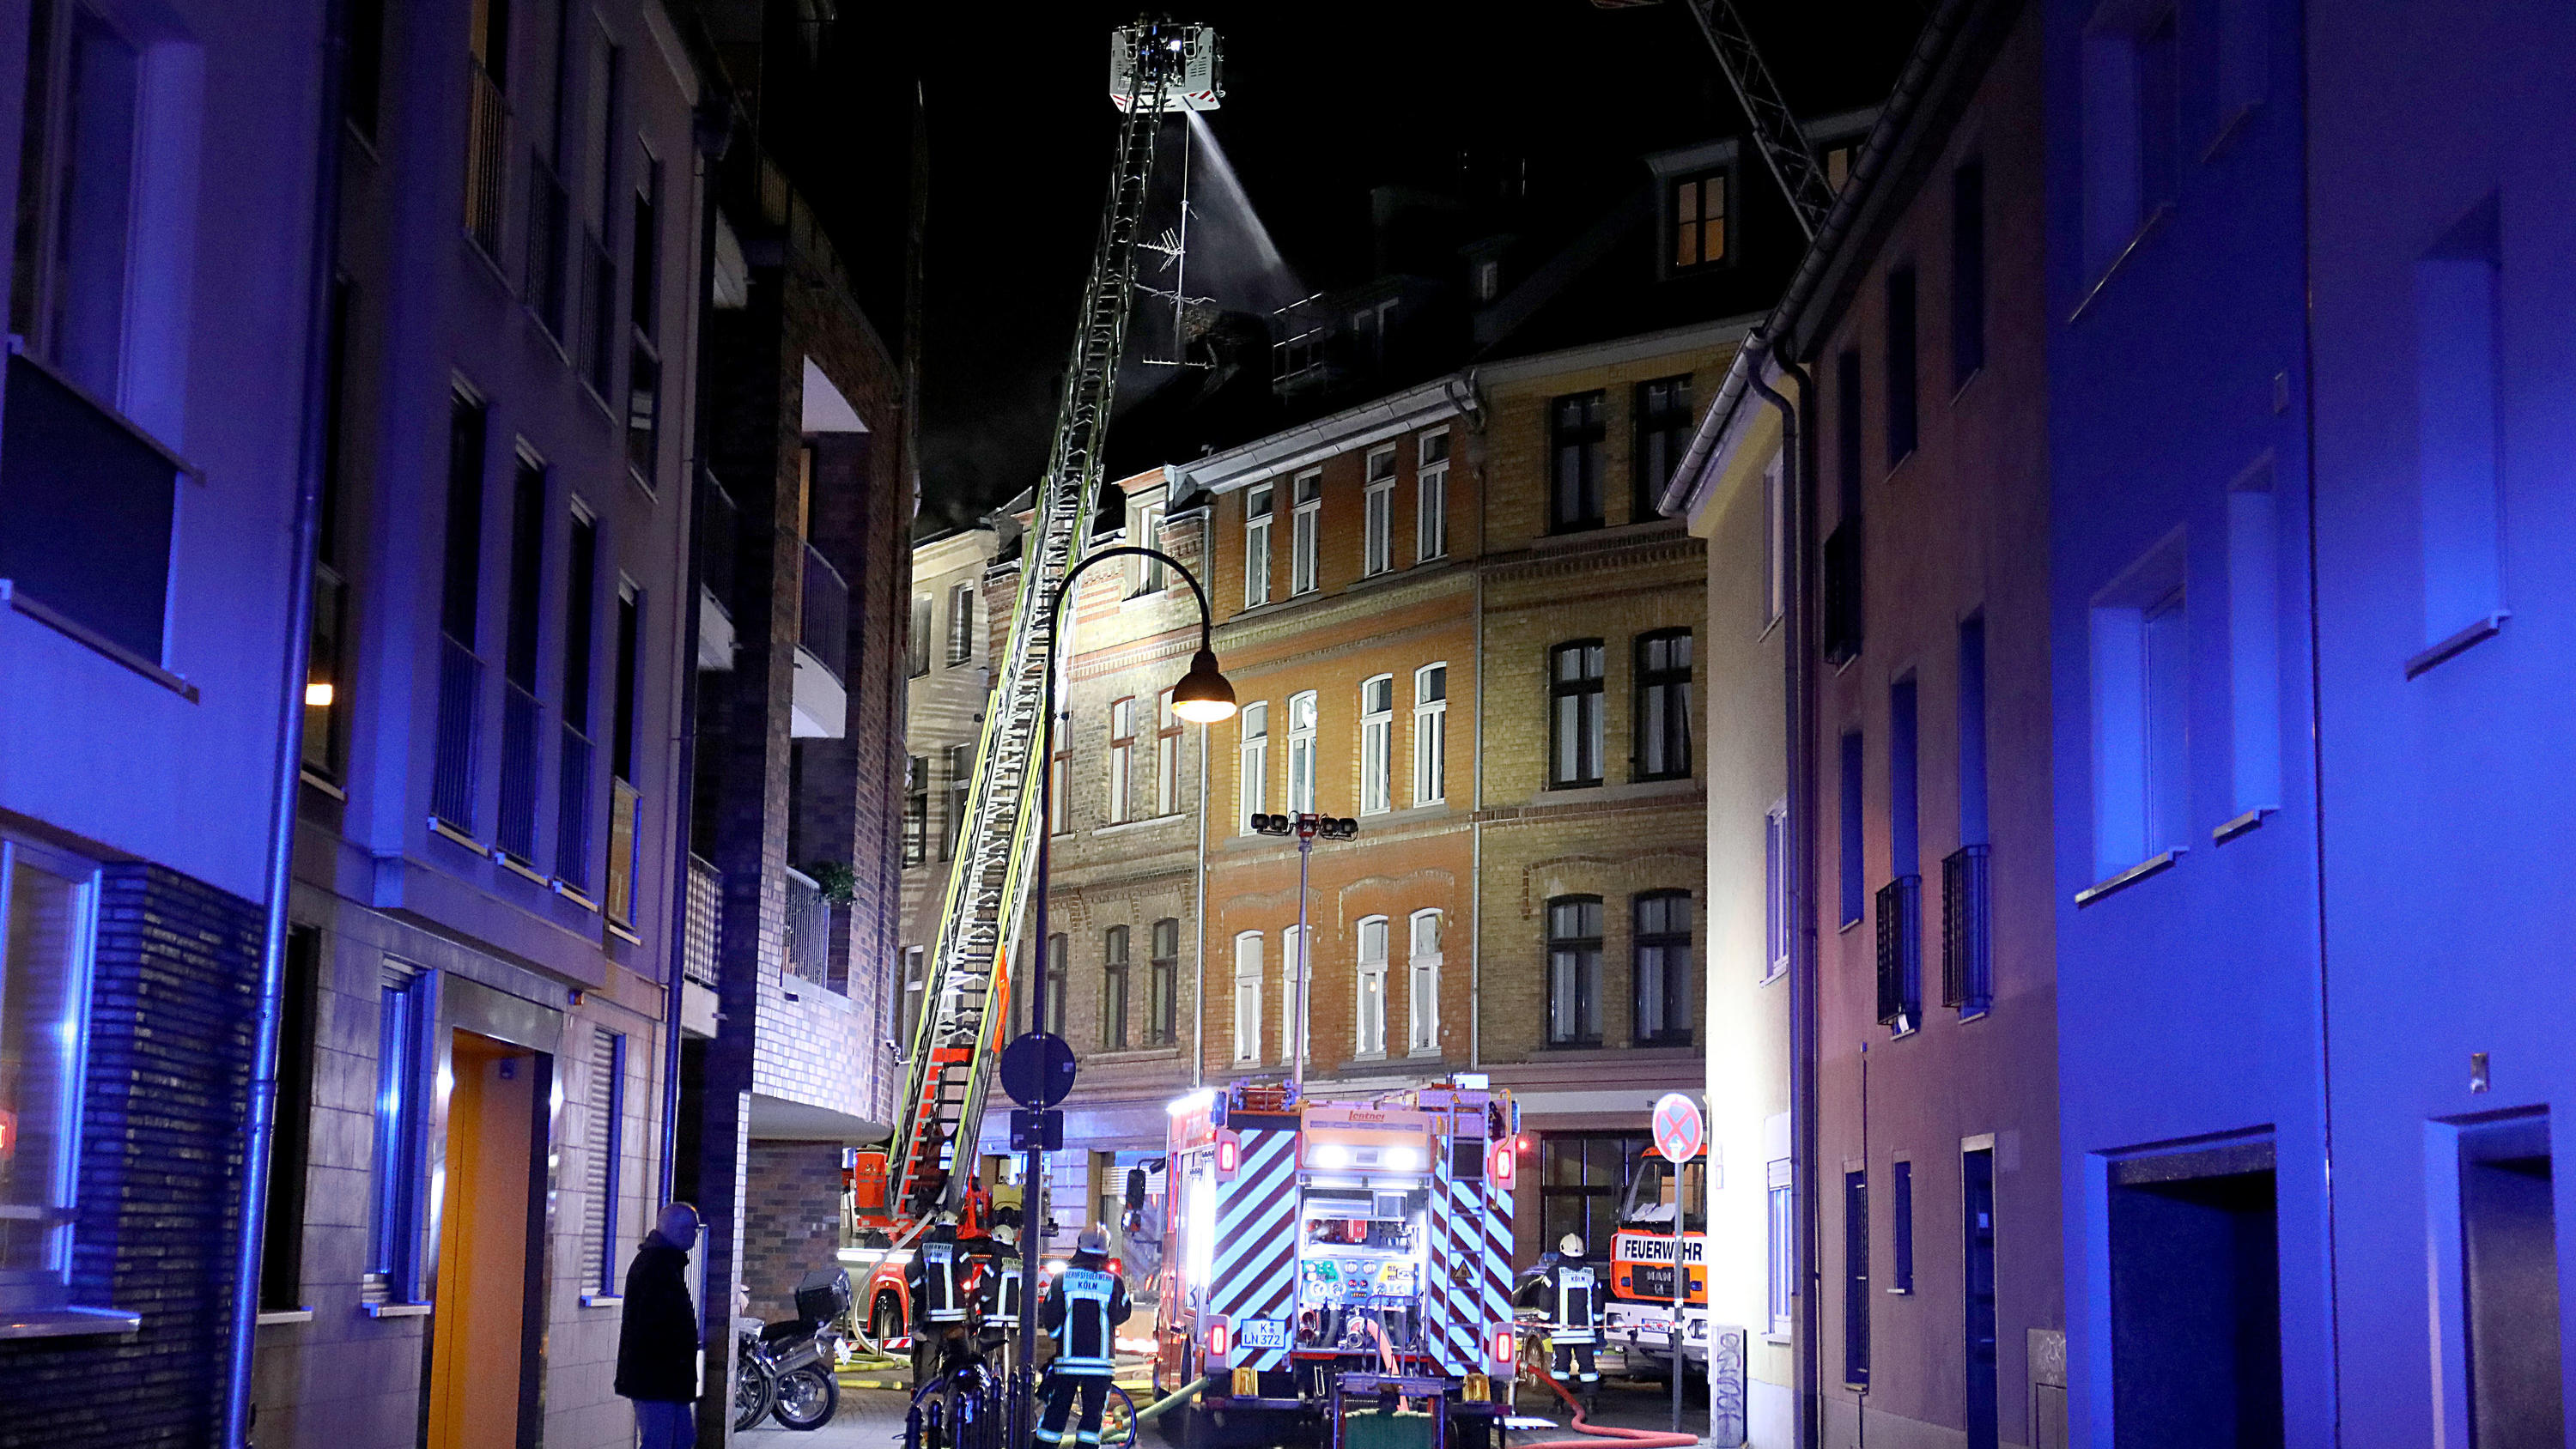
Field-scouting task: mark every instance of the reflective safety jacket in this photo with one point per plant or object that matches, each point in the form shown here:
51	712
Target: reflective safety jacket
1083	1308
1571	1298
998	1288
933	1279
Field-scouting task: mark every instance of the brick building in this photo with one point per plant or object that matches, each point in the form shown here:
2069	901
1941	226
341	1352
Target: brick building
950	642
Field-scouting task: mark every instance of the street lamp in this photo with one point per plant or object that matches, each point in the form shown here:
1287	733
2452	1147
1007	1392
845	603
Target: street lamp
1203	696
1307	828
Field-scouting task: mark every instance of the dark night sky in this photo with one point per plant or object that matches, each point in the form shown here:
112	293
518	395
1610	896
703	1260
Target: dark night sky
1324	100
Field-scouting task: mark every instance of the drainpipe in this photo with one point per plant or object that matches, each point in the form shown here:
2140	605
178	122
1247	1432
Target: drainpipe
242	1337
1798	678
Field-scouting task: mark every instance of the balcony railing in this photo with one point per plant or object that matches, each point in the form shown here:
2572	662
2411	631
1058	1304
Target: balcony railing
1900	953
826	630
572	812
719	538
516	833
460	692
487	127
625	811
1842	592
1967	931
549	213
809	930
706	911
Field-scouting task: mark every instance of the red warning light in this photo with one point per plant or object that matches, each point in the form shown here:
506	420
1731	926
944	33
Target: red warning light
1227	1154
1504	1167
1218	1341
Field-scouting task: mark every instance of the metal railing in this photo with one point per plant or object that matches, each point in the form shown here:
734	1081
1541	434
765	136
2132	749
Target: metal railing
706	914
1842	622
572	811
460	692
719	539
549	213
825	631
486	159
1900	953
1967	930
809	930
516	831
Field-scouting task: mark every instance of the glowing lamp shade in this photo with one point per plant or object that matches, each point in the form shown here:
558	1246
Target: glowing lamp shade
318	694
1203	696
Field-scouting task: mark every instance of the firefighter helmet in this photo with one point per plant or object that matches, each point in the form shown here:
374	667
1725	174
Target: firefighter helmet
1571	1245
1094	1239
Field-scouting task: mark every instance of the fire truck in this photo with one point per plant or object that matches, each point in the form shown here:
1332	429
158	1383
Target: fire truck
1638	1315
1319	1250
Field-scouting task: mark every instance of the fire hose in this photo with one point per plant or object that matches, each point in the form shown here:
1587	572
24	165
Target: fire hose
1639	1438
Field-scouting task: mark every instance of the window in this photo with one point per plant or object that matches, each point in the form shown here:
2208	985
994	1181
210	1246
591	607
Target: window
281	1259
1699	221
1059	983
362	68
1162	995
460	673
517	829
407	1028
2254	641
2141	781
572	767
1904	812
598	272
1775	891
1574	971
1489	281
916	642
326	702
1252	770
1967	272
1775	540
1665	1005
1257	504
1308	530
1113	990
1296	965
1902	367
915	978
961	788
1855	885
961	623
607	1145
1369	1011
916	810
1167	756
1247	997
1583	1176
1972	730
1900	1242
1430	734
1663	705
1377	745
1151	575
1663	427
77	233
2131	131
47	905
1422	998
1377	513
1856	1278
1575	722
625	835
1780	1205
1847	433
1301	752
1838	163
2457	431
1431	497
1574	432
644	353
1122	755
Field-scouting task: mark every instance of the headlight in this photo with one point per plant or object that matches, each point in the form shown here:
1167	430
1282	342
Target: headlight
1332	1154
1403	1159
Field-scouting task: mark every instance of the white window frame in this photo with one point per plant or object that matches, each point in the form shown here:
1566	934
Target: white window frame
1302	719
48	1282
1122	756
1431	496
1259	505
1291	941
1368	1008
961	624
1167	756
1377	513
1377	745
1775	891
1430	736
1306	536
1422	994
1151	576
1247	997
915	980
1780	1276
1252	766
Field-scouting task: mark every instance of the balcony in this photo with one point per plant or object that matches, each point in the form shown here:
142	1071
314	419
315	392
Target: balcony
572	812
822	702
809	931
706	911
1842	593
516	834
486	159
460	691
1900	953
1967	931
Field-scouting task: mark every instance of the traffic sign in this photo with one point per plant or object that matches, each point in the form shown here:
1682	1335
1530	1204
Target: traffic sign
1037	1069
1678	1133
1042	1129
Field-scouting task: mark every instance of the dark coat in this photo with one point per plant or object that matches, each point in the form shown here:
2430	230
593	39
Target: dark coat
657	1339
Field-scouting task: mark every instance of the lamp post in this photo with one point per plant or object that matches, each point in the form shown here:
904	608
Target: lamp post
1202	697
1306	827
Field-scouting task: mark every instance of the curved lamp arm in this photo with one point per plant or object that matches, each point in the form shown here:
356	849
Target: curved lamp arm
1064	587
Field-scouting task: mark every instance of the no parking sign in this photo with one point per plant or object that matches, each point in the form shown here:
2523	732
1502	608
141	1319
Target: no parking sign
1678	1131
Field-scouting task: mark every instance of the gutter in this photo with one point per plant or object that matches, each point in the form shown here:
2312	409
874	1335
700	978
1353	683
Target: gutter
1325	437
241	1344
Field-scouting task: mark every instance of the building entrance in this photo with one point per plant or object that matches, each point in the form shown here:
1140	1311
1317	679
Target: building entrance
490	1317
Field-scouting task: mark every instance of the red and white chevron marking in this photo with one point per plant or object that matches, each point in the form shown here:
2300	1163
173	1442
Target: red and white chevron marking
1255	1262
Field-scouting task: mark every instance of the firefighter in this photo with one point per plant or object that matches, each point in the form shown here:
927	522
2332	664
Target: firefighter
1083	1308
1565	1291
974	1209
998	1298
939	1304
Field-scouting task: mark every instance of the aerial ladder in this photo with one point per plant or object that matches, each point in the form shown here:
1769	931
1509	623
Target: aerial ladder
1156	68
1776	132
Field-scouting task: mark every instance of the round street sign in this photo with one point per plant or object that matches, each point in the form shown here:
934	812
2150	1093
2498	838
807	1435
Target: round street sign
1677	1127
1037	1069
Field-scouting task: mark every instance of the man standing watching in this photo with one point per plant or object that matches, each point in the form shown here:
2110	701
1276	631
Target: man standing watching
1083	1309
657	1339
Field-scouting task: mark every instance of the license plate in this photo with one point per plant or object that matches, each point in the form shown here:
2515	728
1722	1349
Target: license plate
1264	1333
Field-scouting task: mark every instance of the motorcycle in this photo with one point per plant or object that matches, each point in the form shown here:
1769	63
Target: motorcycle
787	1367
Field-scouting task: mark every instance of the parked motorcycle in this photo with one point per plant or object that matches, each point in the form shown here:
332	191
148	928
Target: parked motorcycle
787	1366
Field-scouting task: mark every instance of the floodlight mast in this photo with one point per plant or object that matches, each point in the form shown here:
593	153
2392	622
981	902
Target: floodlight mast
1307	827
1157	67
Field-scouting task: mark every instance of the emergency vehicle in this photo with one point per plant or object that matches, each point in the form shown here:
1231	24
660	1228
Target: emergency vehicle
1305	1240
1638	1314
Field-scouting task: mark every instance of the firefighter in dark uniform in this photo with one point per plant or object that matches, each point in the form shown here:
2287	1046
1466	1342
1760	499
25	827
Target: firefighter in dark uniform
998	1291
936	1281
1083	1308
1566	1292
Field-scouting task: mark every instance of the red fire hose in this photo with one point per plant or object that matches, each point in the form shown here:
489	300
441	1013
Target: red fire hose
1638	1438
